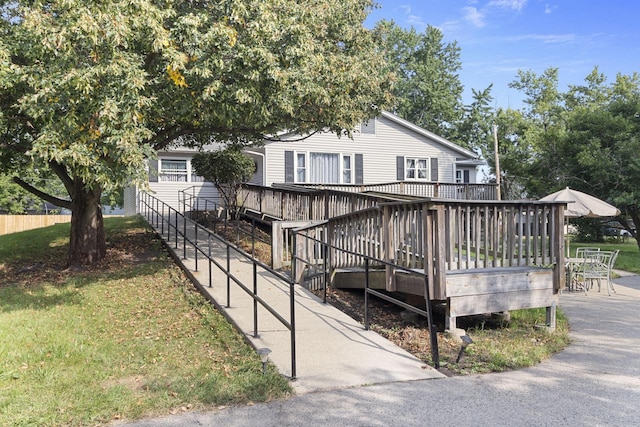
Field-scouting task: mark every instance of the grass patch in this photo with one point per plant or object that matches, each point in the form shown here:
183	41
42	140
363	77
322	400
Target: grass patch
125	339
501	346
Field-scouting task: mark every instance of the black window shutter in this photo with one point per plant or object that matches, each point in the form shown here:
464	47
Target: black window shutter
434	169
288	167
400	165
359	169
153	170
466	176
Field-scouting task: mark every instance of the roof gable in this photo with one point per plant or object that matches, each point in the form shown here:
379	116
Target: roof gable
432	137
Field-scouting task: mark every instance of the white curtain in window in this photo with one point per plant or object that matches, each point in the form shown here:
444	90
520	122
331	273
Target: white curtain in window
173	170
325	168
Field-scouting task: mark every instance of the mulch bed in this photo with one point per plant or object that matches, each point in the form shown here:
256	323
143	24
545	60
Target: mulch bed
404	328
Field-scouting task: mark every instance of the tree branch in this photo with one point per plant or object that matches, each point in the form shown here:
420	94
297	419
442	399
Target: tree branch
302	138
44	196
61	172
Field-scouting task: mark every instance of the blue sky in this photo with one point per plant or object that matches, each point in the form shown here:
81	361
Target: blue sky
499	37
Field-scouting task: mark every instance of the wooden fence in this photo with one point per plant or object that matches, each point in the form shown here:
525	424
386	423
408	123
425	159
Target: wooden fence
16	223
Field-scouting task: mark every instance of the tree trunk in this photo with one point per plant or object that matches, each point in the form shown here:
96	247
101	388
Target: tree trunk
634	213
87	243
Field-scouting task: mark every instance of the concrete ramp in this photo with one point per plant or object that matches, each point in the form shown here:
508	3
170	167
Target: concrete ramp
332	349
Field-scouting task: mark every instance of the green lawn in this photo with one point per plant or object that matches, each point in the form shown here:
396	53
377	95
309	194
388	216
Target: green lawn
628	259
126	339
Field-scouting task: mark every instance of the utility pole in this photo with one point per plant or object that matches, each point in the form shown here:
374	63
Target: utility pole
497	157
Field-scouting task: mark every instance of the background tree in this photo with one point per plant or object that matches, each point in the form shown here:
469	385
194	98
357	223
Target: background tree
93	89
516	155
428	91
541	131
602	145
228	170
16	200
587	138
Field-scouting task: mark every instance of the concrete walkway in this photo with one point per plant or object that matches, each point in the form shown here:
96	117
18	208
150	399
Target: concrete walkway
594	382
332	350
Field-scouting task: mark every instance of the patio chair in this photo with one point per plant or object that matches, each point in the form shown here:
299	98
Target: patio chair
575	266
580	252
597	266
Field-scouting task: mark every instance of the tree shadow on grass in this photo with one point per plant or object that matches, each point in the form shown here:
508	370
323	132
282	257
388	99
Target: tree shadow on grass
42	281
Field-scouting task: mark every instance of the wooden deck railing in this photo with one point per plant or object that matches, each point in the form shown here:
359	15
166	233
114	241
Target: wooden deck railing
418	189
304	204
441	236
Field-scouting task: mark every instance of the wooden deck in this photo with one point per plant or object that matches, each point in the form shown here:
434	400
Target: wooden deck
478	256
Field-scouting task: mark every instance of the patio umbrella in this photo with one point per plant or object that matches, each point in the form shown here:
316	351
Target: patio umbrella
580	204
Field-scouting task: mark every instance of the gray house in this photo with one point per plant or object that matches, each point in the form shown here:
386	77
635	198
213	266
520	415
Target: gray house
384	150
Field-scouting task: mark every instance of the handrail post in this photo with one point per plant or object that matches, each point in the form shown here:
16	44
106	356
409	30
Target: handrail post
162	222
169	225
195	245
184	236
366	294
228	276
255	301
209	252
177	230
292	320
325	260
433	333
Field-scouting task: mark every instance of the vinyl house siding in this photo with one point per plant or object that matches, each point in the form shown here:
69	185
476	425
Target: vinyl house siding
374	156
168	191
379	152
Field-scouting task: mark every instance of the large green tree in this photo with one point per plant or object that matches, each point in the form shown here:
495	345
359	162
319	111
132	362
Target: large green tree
601	147
92	89
428	92
587	138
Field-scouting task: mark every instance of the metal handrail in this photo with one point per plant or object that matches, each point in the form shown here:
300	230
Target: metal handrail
198	202
155	215
428	313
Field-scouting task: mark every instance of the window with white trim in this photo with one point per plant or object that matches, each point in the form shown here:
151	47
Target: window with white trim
324	168
176	170
301	167
416	168
462	176
347	169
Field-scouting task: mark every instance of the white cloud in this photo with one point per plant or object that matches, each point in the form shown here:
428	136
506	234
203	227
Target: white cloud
414	20
406	8
508	4
544	38
474	16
